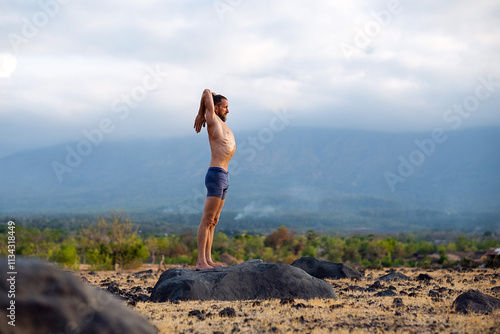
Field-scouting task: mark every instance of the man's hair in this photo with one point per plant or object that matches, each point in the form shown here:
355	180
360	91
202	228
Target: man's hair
218	98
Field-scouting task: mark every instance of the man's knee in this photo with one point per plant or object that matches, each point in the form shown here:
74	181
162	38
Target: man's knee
206	222
210	221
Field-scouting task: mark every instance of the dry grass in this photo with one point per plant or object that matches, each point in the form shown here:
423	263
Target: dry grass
353	311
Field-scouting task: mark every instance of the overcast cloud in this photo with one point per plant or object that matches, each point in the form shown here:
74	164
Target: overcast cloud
65	65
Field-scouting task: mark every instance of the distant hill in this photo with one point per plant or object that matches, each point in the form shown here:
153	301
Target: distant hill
296	170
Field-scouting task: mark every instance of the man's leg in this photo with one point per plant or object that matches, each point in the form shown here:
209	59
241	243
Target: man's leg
208	250
212	205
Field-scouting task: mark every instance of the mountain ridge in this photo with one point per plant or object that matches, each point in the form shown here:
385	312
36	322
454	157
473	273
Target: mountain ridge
299	169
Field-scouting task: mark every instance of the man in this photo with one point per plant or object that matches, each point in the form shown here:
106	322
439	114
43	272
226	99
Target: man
213	111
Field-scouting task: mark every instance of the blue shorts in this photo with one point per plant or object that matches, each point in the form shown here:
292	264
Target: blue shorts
217	182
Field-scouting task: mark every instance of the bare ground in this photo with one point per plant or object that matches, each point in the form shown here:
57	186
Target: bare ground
424	306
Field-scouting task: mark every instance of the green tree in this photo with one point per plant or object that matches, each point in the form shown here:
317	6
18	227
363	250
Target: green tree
114	240
67	255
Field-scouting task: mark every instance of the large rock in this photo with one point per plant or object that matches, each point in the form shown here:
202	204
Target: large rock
324	269
245	281
49	300
475	302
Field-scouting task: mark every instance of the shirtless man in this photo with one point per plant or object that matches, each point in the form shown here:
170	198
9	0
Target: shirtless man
213	111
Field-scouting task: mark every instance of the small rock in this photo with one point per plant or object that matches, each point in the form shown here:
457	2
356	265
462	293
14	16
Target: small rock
376	285
197	313
228	312
325	269
336	306
425	277
145	272
394	276
287	301
354	288
434	293
136	289
299	305
385	293
397	302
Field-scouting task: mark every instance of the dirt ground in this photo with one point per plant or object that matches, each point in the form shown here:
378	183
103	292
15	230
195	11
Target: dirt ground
417	306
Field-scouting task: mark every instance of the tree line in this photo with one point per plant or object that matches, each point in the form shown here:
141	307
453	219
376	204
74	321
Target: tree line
115	241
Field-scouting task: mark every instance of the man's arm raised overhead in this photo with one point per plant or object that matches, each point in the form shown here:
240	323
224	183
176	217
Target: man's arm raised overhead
206	114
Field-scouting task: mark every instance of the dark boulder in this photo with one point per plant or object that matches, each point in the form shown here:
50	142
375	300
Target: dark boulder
425	277
245	281
325	269
474	301
49	300
393	277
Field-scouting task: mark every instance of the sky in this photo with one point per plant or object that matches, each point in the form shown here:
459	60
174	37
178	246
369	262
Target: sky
70	70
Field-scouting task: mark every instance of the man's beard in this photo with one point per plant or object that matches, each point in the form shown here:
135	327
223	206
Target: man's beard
223	118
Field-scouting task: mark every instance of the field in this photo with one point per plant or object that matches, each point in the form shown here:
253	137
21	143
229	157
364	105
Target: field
418	306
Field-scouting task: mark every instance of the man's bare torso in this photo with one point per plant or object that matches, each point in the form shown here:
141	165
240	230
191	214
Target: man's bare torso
222	144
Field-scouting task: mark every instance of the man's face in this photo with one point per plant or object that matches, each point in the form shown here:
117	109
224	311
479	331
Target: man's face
222	109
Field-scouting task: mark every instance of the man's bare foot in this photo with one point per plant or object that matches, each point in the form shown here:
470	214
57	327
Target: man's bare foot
214	264
203	266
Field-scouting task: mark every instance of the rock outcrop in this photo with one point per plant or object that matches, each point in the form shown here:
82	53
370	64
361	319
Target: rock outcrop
245	281
49	300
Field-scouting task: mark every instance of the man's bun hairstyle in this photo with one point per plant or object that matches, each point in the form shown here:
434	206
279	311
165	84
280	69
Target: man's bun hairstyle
218	98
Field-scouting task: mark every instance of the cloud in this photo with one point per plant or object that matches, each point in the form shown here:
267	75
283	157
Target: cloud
8	64
262	55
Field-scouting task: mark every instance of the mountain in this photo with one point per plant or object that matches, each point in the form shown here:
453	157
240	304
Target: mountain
294	170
